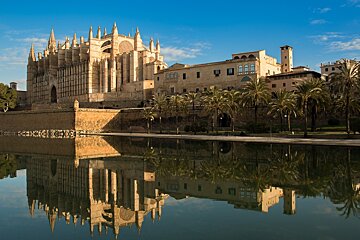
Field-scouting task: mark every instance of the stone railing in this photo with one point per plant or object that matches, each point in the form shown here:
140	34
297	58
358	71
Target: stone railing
53	133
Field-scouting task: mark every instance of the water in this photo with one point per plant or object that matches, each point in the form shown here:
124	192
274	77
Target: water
107	188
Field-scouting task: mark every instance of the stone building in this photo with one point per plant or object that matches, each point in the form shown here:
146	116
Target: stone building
110	69
21	95
289	80
331	68
233	73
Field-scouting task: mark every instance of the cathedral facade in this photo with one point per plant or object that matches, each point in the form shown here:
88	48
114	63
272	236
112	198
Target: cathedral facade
112	70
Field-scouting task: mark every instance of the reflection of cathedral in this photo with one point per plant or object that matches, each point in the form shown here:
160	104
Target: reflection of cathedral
113	184
104	193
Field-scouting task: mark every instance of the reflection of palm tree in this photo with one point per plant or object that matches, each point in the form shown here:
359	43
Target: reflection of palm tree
284	167
343	191
214	170
7	165
254	177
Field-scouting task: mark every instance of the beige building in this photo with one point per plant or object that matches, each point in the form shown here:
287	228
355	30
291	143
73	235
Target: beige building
21	95
331	68
233	73
289	80
110	68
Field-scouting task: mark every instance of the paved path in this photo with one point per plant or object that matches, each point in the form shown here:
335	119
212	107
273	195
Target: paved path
307	141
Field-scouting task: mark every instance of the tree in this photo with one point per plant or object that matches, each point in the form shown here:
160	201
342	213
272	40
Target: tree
160	104
177	106
345	85
214	102
149	115
191	98
232	106
318	100
284	102
305	91
8	97
255	93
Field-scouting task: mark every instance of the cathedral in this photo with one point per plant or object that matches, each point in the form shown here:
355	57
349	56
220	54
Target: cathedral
108	70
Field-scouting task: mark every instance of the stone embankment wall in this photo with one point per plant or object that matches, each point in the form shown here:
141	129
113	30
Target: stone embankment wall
37	120
63	122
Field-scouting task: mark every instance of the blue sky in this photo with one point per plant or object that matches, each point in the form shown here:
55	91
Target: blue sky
189	31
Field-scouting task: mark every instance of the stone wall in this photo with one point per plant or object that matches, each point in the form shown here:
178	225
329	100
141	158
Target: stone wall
92	120
107	119
37	120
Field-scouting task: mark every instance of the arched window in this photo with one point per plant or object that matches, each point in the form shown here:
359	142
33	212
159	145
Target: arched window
243	57
246	79
252	57
106	44
53	95
236	57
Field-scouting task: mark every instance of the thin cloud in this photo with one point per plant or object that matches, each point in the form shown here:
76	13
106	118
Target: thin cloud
318	22
173	54
322	10
351	45
352	3
321	38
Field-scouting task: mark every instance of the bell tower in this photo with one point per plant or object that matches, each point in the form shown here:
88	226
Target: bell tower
286	59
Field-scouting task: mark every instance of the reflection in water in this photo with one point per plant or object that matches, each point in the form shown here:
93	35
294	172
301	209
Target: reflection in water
135	176
105	193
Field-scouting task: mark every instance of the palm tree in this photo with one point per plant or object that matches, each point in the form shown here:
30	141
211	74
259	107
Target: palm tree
160	103
191	98
318	101
255	93
214	103
177	106
305	91
345	83
149	115
232	106
283	103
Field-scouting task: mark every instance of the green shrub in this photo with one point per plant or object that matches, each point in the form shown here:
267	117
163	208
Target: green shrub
355	124
333	122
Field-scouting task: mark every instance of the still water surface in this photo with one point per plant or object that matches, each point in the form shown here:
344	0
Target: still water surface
104	188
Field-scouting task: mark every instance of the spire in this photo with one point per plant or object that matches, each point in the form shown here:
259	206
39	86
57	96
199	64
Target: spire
74	41
98	35
82	40
105	33
138	41
52	42
158	46
114	29
67	43
32	53
52	37
90	33
52	219
151	45
59	45
137	33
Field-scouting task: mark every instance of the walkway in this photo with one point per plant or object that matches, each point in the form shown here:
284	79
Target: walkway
307	141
